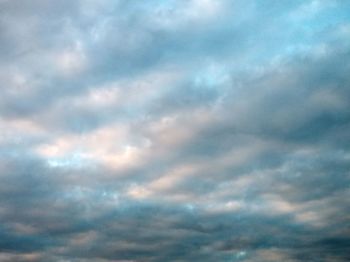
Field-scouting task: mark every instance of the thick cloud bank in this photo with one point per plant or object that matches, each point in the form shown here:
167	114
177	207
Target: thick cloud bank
189	130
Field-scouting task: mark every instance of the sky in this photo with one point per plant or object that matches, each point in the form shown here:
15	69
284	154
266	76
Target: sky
174	130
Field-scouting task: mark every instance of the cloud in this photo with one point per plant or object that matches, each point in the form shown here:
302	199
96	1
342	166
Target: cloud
174	131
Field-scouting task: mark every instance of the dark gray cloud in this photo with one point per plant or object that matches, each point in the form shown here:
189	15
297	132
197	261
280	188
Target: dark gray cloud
174	131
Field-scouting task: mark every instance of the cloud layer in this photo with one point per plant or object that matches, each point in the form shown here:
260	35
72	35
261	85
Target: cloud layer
195	130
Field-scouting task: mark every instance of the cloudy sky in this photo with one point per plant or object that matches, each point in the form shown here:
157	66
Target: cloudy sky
174	130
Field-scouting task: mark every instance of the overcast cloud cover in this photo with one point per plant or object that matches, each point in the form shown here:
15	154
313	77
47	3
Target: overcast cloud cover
174	130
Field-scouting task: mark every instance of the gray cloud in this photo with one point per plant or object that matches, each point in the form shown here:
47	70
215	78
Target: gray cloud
174	131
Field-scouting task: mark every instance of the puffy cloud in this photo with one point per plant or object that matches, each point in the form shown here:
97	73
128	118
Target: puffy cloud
174	130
